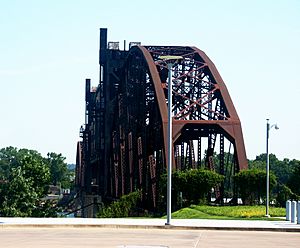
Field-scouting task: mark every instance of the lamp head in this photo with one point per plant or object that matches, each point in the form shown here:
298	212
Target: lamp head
170	58
276	127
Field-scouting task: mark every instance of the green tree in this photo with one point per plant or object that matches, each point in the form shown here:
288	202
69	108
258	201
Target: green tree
257	164
294	180
284	193
16	195
9	157
252	185
287	173
36	170
194	184
25	179
281	169
59	170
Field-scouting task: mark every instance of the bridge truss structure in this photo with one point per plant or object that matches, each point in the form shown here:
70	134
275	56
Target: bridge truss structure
124	138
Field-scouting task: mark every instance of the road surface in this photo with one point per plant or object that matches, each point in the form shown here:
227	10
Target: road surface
141	238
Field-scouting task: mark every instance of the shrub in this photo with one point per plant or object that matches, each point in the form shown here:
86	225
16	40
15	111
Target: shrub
121	208
194	184
252	185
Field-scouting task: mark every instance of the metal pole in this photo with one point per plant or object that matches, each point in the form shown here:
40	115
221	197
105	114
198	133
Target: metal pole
268	169
170	145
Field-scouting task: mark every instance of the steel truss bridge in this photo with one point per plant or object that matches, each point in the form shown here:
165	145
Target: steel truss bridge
124	138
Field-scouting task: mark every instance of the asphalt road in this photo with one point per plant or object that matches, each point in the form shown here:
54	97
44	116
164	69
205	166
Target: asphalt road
142	238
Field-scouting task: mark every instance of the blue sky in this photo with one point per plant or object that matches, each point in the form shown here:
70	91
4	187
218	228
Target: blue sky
48	48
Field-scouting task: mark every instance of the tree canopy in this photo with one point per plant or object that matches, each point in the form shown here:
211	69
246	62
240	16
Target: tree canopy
287	174
252	185
25	176
193	184
59	172
282	169
294	179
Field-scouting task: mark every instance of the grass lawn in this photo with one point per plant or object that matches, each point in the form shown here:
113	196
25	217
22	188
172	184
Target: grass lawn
228	212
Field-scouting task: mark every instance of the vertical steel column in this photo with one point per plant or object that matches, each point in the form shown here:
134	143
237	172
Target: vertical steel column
221	158
130	158
103	170
182	156
199	153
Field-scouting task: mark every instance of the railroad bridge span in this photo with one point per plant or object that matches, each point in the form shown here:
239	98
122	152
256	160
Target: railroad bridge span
124	137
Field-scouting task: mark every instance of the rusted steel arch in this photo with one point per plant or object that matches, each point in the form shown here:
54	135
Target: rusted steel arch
227	123
233	125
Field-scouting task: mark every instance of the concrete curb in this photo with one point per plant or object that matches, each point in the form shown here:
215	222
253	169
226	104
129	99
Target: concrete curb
167	227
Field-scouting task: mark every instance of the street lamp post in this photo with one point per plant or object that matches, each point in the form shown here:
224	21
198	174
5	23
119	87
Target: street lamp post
170	145
268	166
170	60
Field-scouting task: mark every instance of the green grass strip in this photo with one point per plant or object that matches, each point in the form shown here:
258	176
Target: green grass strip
227	212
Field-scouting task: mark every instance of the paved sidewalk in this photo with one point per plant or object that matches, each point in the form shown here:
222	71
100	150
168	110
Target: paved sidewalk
246	225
